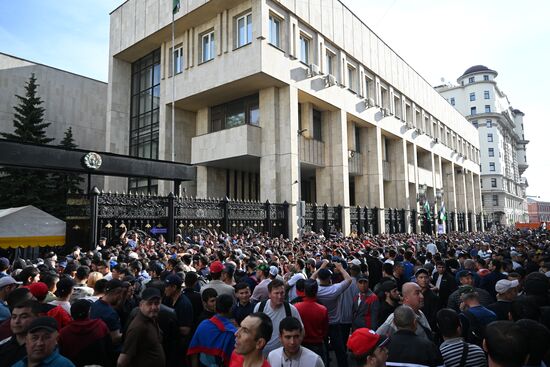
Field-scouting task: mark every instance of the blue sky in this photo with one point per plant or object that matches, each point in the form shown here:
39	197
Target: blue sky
438	38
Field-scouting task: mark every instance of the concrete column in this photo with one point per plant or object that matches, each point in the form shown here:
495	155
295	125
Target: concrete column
479	210
202	181
375	175
472	198
361	182
416	184
269	101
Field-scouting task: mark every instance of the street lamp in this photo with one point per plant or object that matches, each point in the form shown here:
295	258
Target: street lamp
300	206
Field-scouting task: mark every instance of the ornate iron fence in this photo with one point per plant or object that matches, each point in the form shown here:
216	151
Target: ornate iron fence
364	220
323	217
108	215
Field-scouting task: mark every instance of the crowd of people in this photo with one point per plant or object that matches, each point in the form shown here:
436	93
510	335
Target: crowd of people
214	299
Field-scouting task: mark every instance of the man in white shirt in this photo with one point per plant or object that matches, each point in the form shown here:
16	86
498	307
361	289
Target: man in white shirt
299	274
292	353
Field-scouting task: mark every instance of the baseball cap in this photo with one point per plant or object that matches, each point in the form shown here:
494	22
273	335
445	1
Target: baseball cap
115	283
4	262
356	262
173	279
504	285
463	289
262	267
39	290
324	274
8	280
465	273
80	309
273	270
43	323
216	267
421	271
150	293
365	341
362	277
388	285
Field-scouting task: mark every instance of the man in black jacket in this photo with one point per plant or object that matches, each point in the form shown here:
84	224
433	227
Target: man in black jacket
406	347
444	282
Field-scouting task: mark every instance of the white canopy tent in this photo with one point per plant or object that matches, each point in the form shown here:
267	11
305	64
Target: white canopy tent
28	226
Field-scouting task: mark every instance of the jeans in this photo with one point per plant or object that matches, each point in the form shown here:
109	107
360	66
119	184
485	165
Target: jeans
337	344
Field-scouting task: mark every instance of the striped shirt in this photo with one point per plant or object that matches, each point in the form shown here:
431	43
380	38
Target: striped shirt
451	350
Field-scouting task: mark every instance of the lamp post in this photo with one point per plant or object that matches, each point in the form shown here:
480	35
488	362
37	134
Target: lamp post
441	206
422	200
300	206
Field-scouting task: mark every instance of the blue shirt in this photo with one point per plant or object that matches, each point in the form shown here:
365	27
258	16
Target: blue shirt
101	310
54	360
4	311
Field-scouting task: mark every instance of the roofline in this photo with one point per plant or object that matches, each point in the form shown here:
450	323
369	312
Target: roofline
115	9
53	67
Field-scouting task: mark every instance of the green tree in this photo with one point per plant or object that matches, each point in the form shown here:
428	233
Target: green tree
64	182
19	187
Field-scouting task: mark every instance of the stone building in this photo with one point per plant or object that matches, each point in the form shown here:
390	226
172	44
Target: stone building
502	142
284	100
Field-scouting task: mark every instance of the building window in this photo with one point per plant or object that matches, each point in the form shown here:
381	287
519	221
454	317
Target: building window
492	167
486	95
244	30
176	63
487	108
473	110
351	77
491	152
329	67
357	139
274	31
472	96
452	101
317	125
495	200
144	115
471	79
489	123
304	49
235	113
493	182
490	138
208	46
485	77
475	123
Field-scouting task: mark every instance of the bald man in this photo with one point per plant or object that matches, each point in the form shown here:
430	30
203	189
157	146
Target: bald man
412	297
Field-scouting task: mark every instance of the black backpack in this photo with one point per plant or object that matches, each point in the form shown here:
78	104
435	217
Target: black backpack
475	331
288	313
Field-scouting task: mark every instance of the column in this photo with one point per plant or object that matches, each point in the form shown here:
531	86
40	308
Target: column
375	176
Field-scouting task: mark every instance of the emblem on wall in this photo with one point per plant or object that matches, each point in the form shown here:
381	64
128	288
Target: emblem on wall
92	160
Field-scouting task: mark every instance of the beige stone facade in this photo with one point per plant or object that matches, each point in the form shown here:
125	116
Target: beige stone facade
273	96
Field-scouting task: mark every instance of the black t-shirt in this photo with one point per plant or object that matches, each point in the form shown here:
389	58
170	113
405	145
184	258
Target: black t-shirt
196	301
11	352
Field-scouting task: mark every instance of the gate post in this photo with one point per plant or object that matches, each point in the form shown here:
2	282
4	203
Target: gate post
94	212
326	228
171	218
225	219
267	224
287	218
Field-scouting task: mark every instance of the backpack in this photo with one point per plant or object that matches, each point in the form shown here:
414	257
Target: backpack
288	313
475	332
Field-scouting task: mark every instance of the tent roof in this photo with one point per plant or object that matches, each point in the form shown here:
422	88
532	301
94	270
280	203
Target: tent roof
29	226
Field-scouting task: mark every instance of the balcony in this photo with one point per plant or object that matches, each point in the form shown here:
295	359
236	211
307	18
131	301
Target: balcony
240	141
355	163
312	151
386	170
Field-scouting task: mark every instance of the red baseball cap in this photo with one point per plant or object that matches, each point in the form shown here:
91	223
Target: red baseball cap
216	267
39	290
365	341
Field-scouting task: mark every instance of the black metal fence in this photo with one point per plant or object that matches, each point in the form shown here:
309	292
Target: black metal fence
364	219
323	217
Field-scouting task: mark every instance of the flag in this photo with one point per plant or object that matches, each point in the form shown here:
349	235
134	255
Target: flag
427	210
175	6
443	212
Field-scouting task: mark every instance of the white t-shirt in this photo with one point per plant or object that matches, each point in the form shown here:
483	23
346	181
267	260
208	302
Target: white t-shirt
292	283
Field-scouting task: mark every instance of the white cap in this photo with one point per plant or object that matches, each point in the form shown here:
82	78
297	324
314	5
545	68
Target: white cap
7	280
504	285
273	270
356	262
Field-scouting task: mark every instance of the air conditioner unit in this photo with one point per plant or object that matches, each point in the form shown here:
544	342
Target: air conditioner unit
418	131
313	70
410	126
330	80
436	140
385	112
351	154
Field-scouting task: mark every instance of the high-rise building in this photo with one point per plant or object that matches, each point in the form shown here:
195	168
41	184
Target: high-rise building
502	142
281	101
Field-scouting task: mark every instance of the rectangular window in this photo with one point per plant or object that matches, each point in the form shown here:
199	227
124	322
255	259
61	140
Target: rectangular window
485	77
492	166
471	79
275	31
475	123
486	94
235	113
487	108
351	77
176	61
490	138
473	110
357	138
317	125
491	152
493	182
244	30
452	101
489	123
329	67
495	200
472	96
208	45
304	49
